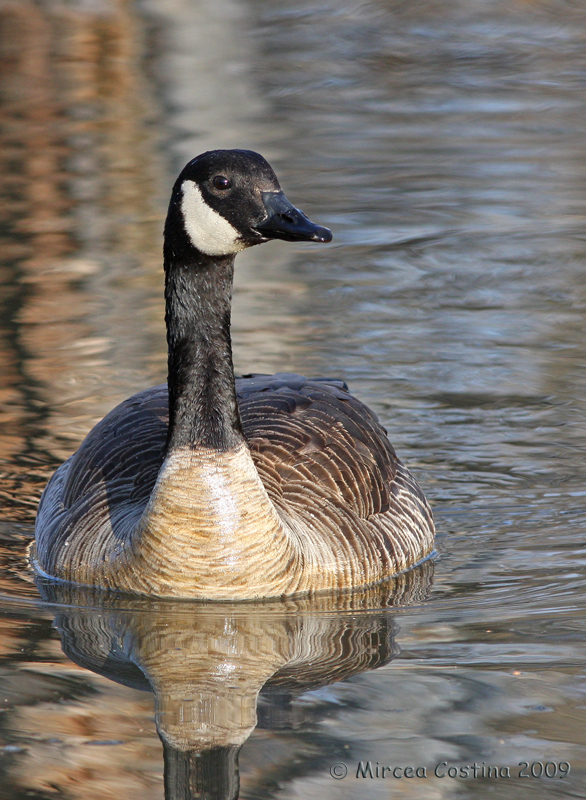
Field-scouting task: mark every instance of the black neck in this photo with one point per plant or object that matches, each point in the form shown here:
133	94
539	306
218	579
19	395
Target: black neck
203	411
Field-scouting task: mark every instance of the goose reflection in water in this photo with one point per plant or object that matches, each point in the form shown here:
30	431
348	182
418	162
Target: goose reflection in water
209	664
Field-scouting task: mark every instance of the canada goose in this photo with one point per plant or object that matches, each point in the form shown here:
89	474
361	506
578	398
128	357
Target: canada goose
230	489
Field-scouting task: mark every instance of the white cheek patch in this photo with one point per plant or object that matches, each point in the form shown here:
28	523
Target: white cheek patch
209	232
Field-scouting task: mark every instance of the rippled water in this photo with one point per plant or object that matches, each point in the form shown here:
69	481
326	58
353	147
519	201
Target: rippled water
444	144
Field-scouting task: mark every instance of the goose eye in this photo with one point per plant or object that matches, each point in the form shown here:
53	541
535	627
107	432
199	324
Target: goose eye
220	182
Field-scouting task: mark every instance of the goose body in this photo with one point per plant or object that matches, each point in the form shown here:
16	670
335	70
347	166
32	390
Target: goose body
222	488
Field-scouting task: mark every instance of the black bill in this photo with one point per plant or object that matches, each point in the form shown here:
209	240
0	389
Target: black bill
284	221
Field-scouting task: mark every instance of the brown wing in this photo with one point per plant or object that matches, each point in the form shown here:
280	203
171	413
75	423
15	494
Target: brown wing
314	434
125	449
97	495
330	469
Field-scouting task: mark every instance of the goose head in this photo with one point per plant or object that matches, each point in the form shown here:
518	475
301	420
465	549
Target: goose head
227	200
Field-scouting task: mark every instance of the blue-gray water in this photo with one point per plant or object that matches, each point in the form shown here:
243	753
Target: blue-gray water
444	145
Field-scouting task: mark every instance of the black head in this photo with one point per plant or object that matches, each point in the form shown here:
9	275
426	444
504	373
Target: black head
229	200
